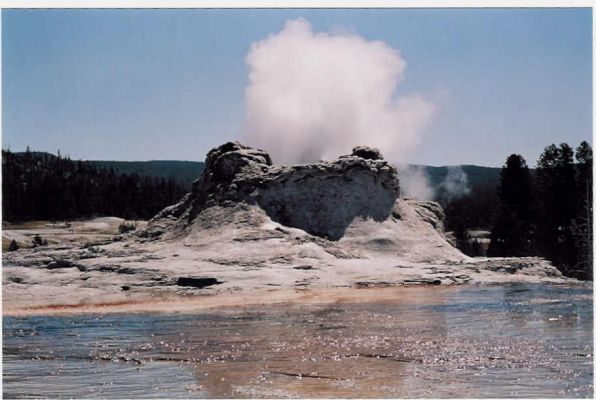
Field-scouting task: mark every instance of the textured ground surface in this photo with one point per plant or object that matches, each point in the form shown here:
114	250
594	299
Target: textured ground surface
243	256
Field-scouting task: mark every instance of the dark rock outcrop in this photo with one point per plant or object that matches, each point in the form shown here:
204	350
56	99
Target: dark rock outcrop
367	153
321	198
197	282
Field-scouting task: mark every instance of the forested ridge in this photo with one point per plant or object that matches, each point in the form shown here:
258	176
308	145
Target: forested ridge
41	186
183	172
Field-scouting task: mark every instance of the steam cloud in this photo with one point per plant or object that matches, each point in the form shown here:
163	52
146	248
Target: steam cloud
414	183
455	184
315	95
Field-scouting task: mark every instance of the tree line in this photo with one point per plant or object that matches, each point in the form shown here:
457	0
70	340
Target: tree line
547	211
41	186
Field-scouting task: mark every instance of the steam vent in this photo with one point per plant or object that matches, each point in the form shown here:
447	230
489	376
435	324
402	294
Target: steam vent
321	198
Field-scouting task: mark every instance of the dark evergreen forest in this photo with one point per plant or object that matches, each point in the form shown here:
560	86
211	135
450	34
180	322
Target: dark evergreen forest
546	211
41	186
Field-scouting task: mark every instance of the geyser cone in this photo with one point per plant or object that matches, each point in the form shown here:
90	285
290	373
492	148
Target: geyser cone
322	198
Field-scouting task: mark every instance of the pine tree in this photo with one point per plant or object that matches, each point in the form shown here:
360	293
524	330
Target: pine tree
512	233
582	225
557	204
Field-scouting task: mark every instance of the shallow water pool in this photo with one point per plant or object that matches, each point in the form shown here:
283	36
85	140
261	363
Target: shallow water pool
468	341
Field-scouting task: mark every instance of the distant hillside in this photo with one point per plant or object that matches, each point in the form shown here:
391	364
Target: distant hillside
476	175
184	172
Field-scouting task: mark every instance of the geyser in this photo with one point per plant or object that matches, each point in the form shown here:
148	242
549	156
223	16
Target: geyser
315	95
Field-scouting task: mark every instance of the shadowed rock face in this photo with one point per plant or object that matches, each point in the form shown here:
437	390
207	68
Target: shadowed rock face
322	198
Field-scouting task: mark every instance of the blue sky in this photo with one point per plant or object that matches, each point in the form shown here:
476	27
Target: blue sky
169	84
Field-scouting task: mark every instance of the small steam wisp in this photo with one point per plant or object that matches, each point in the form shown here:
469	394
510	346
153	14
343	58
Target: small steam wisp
455	184
414	182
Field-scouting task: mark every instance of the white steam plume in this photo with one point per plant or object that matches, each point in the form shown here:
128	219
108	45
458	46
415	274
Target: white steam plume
414	183
455	184
315	95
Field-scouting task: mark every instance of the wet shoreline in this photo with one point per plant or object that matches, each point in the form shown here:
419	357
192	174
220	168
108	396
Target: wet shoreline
192	303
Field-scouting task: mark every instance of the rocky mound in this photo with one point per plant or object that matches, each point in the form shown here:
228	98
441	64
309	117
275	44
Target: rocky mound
260	213
322	199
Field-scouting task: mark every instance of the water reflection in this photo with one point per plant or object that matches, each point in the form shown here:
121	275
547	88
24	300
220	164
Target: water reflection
497	341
